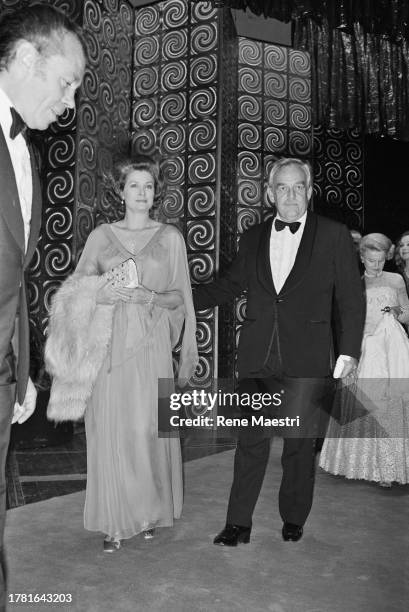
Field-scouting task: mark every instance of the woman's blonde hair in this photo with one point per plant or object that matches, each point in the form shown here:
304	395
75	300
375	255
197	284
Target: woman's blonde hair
377	242
400	264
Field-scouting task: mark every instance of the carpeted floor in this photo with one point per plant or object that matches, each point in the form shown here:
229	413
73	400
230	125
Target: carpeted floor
354	556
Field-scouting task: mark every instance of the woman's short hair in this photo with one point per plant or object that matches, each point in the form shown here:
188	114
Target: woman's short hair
125	165
400	264
377	242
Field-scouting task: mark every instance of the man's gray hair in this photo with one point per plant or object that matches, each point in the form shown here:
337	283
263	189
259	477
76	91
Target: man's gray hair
290	161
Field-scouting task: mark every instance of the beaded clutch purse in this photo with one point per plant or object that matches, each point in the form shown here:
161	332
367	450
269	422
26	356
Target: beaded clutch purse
124	274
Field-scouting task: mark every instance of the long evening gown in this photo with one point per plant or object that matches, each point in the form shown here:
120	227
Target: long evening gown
376	446
134	478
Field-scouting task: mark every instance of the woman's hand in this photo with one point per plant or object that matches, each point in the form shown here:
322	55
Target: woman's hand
107	294
139	295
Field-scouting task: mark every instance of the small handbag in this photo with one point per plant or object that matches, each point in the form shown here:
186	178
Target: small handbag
124	274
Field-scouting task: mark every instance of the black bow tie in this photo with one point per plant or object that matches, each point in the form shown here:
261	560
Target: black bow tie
280	225
18	126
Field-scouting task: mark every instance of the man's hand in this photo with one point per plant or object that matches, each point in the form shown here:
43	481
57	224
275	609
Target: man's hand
24	411
345	366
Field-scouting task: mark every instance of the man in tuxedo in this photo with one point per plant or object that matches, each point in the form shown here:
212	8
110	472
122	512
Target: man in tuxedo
42	63
293	267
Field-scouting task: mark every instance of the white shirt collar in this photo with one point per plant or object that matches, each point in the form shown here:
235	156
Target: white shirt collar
5	114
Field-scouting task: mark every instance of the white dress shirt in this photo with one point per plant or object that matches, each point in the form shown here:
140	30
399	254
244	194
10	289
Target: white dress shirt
20	159
283	251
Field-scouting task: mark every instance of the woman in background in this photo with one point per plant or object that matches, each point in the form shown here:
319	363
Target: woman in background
376	446
134	478
402	257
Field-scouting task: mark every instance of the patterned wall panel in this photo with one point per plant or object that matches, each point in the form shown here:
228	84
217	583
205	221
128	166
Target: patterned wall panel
104	112
174	115
56	147
274	110
338	175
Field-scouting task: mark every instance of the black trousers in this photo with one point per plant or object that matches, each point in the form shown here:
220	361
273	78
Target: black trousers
302	398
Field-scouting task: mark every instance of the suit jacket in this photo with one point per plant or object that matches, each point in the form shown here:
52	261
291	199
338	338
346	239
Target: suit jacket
14	260
289	332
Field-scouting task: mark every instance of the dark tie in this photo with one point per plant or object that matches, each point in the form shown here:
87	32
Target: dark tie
280	225
18	126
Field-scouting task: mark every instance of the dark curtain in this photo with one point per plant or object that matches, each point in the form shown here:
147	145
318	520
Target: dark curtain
360	59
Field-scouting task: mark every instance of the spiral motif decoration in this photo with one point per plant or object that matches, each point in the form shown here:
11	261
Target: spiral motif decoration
201	201
299	63
124	78
111	5
202	11
202	136
275	58
249	193
174	14
247	217
146	50
105	130
90	85
172	139
33	293
85	224
249	164
87	119
333	195
249	108
87	188
275	85
104	161
202	168
203	102
334	149
201	267
173	170
203	70
173	107
144	112
174	75
203	371
299	90
61	151
275	112
57	259
66	122
92	47
124	115
250	80
204	37
60	188
353	199
107	64
334	173
174	45
147	21
107	97
201	234
204	336
173	203
87	153
126	15
353	152
353	176
300	143
241	309
144	141
92	16
249	136
299	116
58	223
250	53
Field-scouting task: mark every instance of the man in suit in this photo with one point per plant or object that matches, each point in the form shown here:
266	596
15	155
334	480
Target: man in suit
42	63
292	267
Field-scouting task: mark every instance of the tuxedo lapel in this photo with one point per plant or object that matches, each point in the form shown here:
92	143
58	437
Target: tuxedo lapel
263	259
303	256
10	204
35	223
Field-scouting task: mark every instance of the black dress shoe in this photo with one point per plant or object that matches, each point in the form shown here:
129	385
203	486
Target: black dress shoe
232	535
292	532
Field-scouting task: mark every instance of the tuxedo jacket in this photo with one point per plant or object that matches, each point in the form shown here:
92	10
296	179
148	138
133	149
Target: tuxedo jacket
14	260
289	333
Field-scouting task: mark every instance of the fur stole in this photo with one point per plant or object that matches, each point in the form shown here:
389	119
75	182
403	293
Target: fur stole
79	334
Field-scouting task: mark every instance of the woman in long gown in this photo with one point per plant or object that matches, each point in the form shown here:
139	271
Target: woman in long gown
134	478
375	447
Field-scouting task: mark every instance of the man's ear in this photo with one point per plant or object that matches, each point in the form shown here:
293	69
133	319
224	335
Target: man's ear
270	193
309	193
26	56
